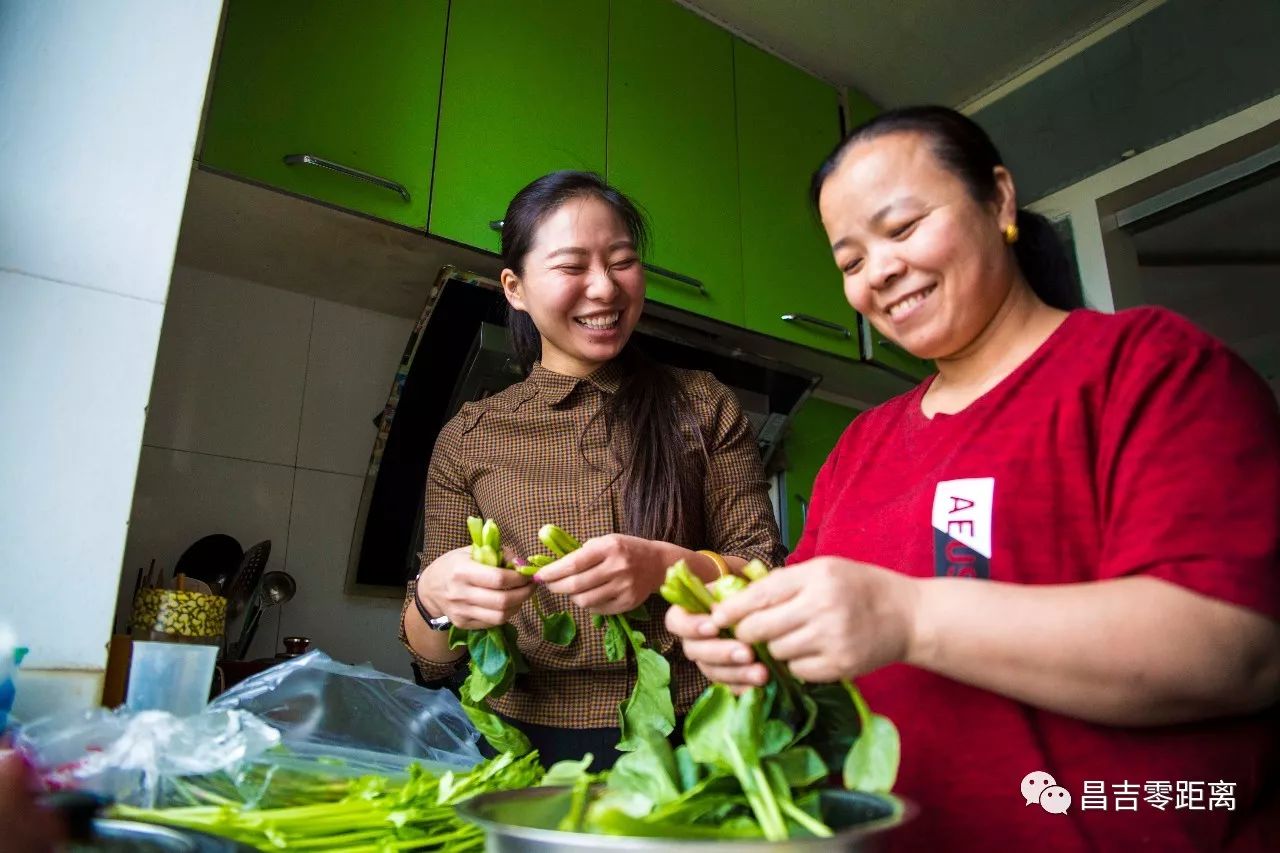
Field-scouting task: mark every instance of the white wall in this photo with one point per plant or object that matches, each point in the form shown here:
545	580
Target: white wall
99	109
260	427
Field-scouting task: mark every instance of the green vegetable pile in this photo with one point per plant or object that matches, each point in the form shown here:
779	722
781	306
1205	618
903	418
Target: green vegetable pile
495	656
496	659
751	765
648	708
366	814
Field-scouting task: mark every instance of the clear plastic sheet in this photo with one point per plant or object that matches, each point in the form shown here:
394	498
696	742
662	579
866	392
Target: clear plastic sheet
298	726
317	701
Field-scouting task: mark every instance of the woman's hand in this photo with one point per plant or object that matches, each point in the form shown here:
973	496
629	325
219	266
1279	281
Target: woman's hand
471	594
827	619
610	574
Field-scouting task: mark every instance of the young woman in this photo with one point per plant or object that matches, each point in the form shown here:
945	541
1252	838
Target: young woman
647	465
1059	554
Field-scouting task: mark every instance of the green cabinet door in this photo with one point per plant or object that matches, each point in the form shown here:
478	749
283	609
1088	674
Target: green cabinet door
815	429
672	148
787	123
348	92
525	88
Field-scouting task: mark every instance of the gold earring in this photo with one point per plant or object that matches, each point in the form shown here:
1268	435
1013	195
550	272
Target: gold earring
1011	234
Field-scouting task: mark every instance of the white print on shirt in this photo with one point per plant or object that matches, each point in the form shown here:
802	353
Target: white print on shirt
962	511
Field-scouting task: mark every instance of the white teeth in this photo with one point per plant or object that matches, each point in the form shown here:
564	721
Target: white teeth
902	306
599	321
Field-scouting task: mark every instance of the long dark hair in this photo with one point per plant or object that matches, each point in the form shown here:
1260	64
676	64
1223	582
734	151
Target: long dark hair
965	150
660	486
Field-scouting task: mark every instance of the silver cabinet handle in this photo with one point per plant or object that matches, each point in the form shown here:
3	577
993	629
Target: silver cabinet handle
804	511
677	277
890	345
817	321
312	160
496	224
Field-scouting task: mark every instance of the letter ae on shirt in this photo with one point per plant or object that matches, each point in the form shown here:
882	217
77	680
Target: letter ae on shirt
962	527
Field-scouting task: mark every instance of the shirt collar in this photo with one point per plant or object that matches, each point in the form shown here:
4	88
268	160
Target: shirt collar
556	387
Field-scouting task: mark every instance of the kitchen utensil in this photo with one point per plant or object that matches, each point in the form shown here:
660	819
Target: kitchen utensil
275	588
242	583
294	646
211	559
193	585
525	821
173	677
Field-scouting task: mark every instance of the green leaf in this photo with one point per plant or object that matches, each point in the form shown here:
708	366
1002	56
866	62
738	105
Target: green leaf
801	766
776	737
872	763
559	628
541	561
615	640
500	734
649	771
597	621
567	772
836	725
648	708
488	650
640	612
686	768
490	536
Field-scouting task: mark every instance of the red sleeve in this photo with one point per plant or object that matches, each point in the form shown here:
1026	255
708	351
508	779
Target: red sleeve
819	501
1189	466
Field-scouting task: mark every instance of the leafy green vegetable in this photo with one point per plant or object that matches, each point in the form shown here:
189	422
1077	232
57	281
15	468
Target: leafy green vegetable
559	628
367	813
648	707
495	654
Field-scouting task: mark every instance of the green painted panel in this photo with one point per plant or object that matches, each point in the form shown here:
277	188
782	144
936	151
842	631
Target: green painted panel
788	122
357	84
815	429
525	89
672	146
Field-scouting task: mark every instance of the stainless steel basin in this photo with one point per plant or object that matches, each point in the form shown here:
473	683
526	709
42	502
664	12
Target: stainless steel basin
525	821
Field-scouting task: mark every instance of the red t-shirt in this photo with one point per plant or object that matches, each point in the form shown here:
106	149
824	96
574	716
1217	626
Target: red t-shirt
1127	444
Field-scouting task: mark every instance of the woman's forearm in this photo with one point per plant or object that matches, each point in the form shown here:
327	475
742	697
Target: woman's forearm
700	564
1130	651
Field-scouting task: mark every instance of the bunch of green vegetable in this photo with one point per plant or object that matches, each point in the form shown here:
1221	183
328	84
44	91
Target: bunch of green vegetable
833	718
366	814
648	708
495	655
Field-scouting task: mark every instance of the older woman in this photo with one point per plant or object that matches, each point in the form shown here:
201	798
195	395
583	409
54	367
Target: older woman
1055	560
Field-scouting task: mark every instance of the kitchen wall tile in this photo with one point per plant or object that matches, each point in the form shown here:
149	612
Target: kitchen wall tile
73	399
232	362
353	357
182	497
100	188
352	629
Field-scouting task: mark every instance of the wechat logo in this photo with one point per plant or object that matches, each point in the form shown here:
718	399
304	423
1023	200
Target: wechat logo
1040	787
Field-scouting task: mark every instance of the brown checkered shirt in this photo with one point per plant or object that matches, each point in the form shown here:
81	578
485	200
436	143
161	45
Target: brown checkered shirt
518	457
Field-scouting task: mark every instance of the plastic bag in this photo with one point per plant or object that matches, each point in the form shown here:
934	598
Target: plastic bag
323	707
128	755
307	724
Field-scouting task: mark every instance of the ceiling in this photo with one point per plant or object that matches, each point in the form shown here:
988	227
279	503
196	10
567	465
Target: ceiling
900	52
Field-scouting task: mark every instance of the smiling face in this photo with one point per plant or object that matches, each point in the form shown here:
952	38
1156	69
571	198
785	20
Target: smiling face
582	284
923	260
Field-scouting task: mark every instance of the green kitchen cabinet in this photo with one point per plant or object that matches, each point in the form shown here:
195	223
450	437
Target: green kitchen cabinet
788	122
815	429
879	349
524	94
672	147
332	100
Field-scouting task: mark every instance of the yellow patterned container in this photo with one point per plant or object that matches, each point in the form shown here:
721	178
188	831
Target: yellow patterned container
170	614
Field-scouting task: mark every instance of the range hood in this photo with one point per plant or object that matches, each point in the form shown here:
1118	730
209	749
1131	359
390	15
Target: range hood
459	351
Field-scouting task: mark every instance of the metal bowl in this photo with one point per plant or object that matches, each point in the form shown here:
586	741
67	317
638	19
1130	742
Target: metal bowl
525	821
138	837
